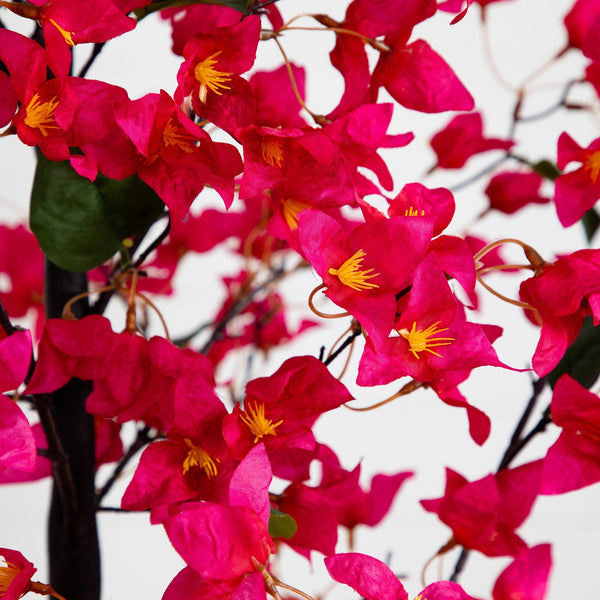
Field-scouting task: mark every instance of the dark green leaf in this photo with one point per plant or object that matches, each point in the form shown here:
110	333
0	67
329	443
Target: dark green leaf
582	359
80	224
144	11
590	221
547	169
281	525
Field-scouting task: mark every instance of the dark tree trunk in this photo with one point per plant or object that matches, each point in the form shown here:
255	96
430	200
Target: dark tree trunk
72	536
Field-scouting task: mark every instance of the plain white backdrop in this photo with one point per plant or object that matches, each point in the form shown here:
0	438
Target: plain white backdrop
415	433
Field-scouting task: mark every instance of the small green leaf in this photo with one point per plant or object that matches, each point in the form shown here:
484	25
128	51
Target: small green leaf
582	359
281	525
78	223
547	169
590	221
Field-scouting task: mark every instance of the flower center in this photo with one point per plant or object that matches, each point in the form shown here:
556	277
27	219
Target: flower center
197	457
351	274
423	339
40	115
413	212
66	34
175	135
291	209
259	425
7	574
591	165
272	150
209	78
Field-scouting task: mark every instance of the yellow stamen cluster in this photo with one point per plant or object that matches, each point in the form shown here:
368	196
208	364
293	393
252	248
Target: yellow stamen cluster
209	78
259	425
413	212
272	150
291	208
67	35
591	165
350	273
197	457
40	115
423	339
175	135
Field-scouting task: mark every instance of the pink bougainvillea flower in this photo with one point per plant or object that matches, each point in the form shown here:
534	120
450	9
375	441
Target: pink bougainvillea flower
373	20
352	504
210	74
509	191
59	114
134	378
462	138
25	272
178	158
563	293
280	410
367	575
573	461
225	545
484	514
364	266
526	576
576	191
416	200
435	345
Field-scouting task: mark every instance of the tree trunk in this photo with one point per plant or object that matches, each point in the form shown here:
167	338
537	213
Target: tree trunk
72	535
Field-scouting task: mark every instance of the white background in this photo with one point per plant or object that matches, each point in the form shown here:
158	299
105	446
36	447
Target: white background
418	432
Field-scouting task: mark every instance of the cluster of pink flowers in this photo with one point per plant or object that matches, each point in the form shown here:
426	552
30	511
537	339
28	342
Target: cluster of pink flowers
299	192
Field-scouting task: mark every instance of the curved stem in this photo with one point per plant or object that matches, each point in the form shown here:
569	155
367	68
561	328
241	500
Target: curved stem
518	303
318	312
410	387
318	119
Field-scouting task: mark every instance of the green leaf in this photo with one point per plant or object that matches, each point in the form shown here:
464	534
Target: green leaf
78	223
281	525
582	358
547	169
144	11
590	221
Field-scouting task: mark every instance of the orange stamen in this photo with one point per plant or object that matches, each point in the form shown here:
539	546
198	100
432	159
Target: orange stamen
291	208
176	135
259	425
350	273
209	78
40	115
422	340
197	457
